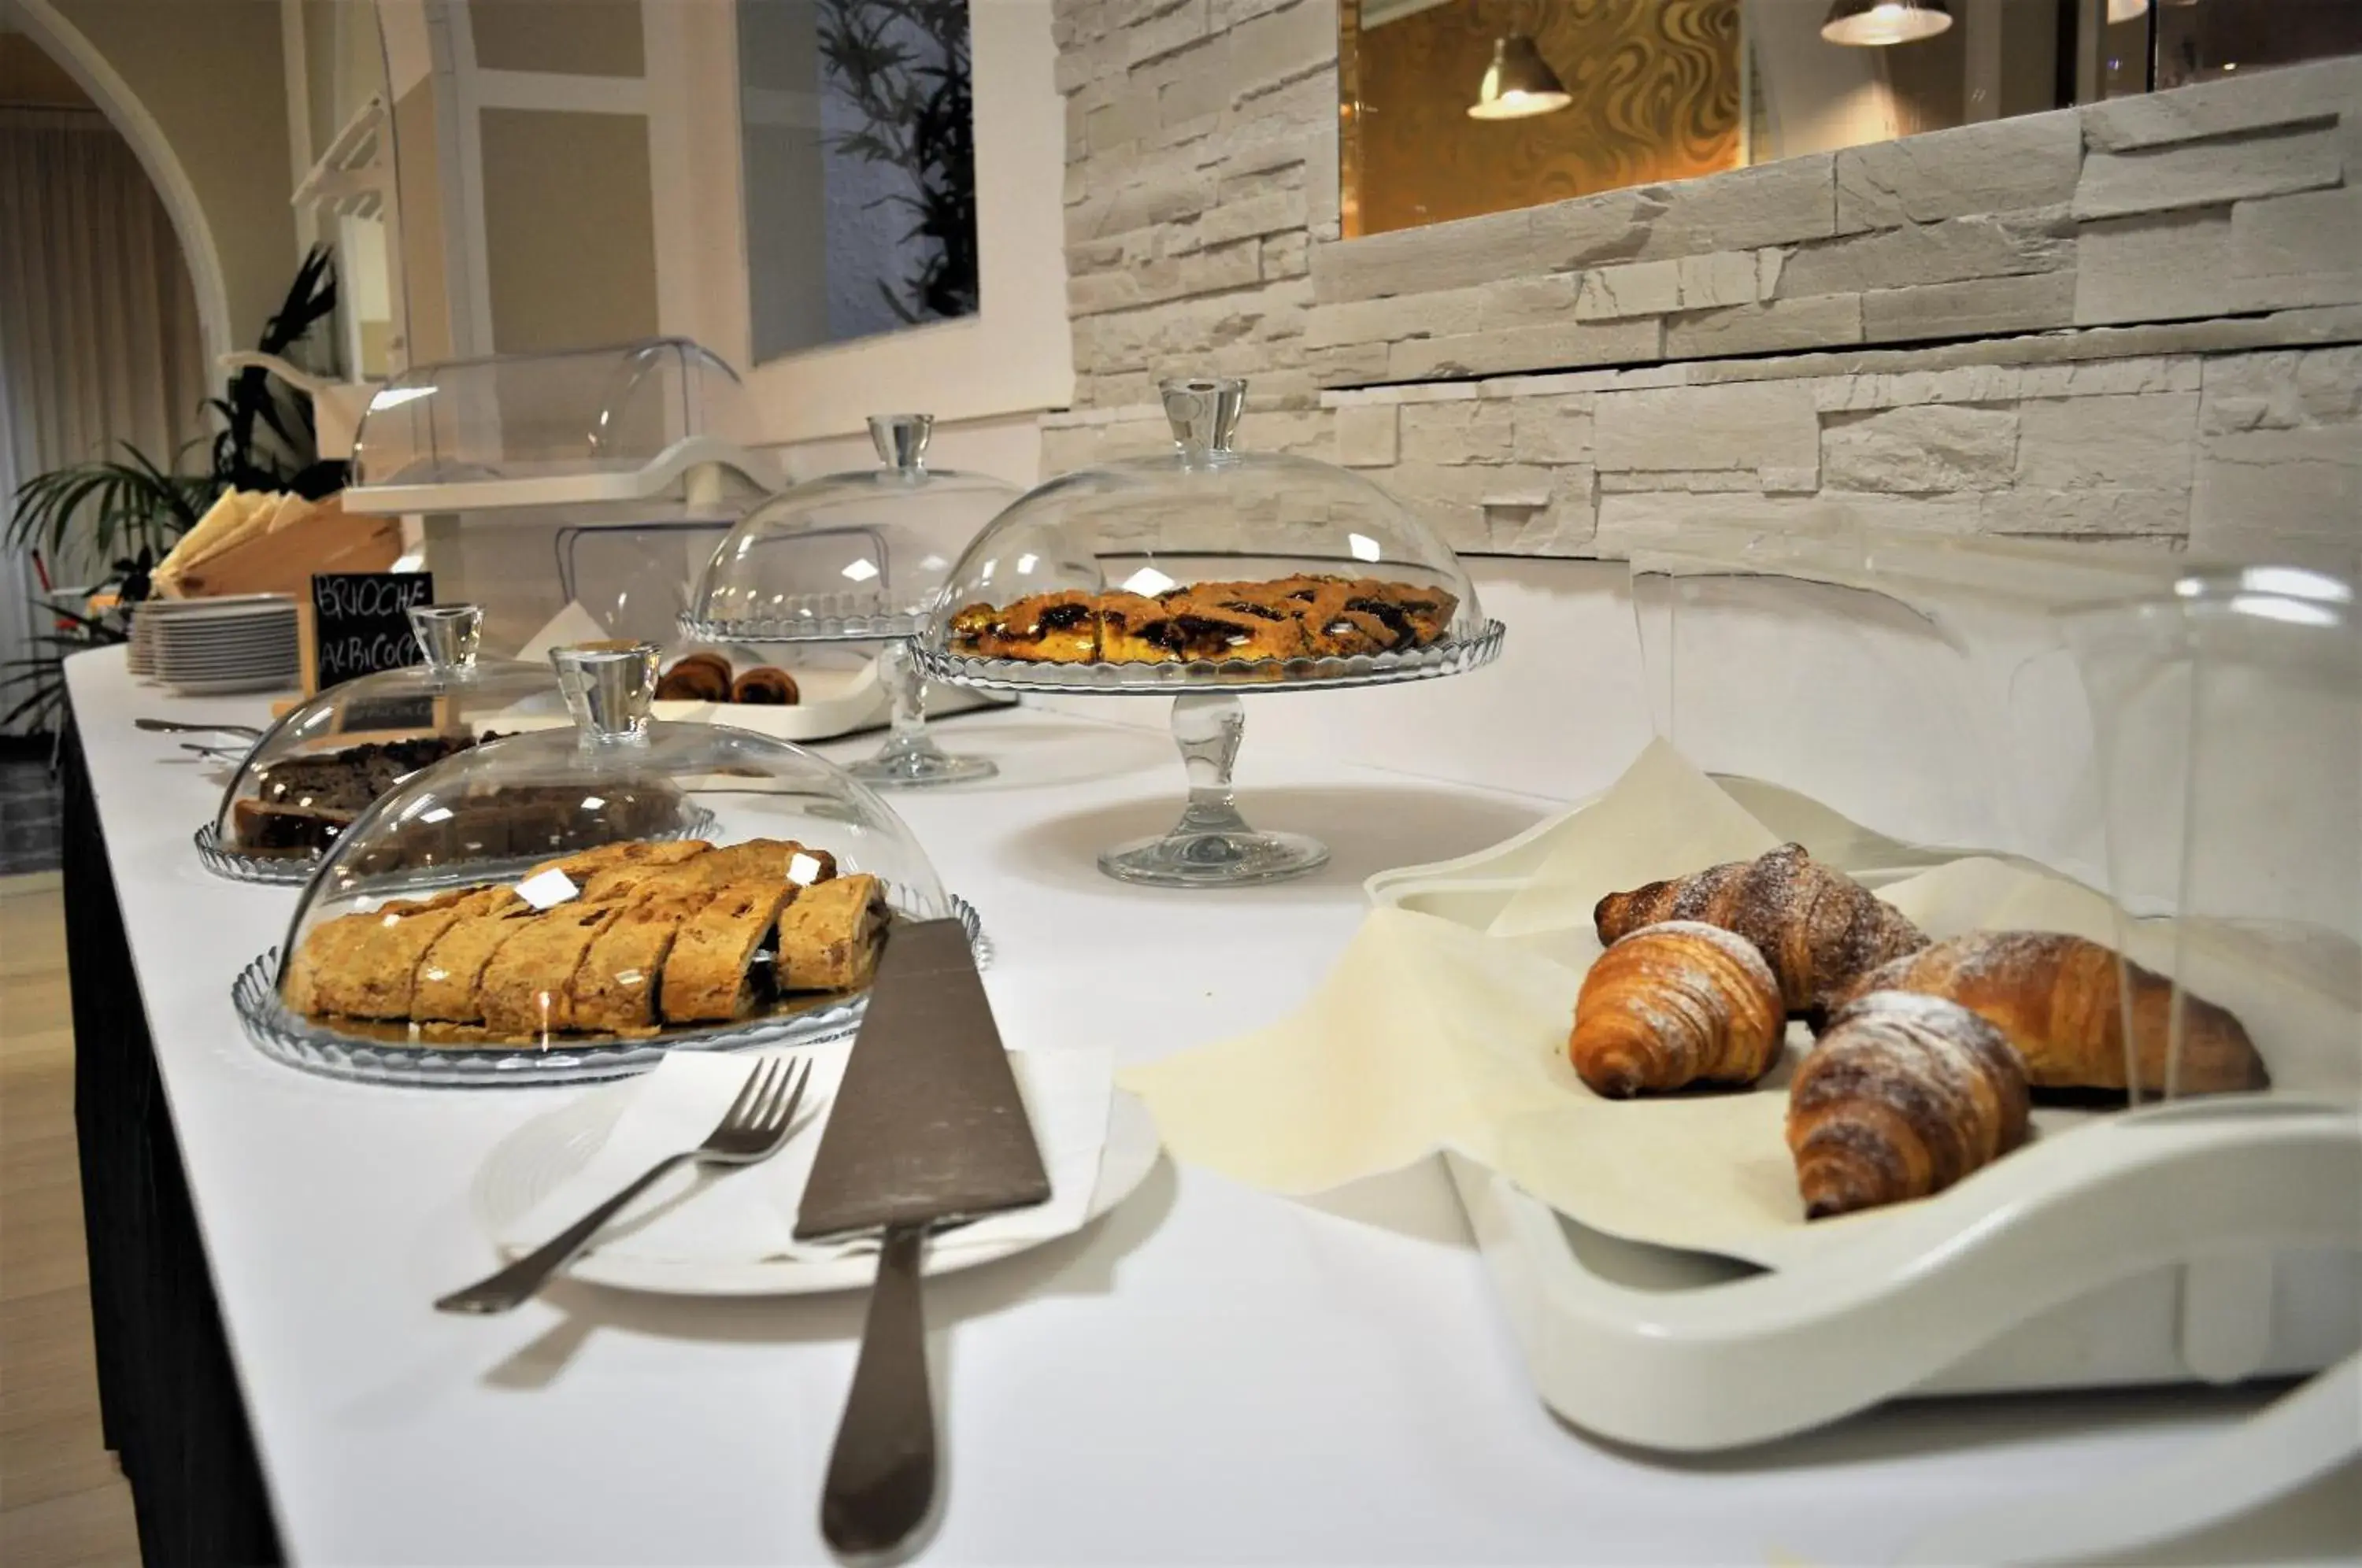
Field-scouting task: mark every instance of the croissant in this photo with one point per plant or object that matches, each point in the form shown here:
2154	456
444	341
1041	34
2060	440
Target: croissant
1820	929
1903	1096
1674	1004
2059	1001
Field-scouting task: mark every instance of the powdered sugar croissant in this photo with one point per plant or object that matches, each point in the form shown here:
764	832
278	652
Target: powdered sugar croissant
1903	1096
1820	929
2060	1001
1676	1004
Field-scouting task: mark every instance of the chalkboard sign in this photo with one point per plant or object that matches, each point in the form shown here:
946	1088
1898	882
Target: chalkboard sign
358	623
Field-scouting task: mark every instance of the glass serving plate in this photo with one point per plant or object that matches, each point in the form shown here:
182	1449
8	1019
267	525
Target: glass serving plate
532	909
310	774
1208	573
857	557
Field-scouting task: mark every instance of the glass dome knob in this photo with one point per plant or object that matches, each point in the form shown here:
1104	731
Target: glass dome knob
609	688
447	633
1205	413
902	439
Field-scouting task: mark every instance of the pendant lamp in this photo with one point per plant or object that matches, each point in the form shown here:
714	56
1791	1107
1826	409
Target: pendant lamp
1518	83
1876	23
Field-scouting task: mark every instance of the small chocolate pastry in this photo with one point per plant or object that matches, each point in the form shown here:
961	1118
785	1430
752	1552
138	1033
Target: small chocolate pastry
700	677
766	687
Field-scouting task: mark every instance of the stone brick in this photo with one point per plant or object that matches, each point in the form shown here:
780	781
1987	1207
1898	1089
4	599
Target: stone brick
2303	250
2153	269
2109	443
1547	301
1979	307
1718	278
1421	260
1813	323
1199	92
1525	348
1442	313
1230	13
1550	429
1693	482
1451	433
1148	202
2207	173
1591	231
1770	203
2282	97
1283	45
2289	495
1629	522
1286	256
1644	288
1130	118
1929	446
1999	166
1174	27
1276	207
1368	436
2100	510
1987	245
1349	365
1170	277
1750	425
2283	389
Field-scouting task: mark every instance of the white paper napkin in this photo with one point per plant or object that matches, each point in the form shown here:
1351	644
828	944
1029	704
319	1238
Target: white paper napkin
748	1213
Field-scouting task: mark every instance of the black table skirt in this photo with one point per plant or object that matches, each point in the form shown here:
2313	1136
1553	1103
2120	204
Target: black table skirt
167	1394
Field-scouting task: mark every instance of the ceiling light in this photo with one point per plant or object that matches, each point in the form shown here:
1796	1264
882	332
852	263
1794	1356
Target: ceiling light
2126	10
1877	23
1518	83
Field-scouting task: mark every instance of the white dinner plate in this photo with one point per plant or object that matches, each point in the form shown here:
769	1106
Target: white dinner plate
270	681
225	604
532	1162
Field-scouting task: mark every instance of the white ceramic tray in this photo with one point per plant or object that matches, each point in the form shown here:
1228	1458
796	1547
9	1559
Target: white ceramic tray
2209	1240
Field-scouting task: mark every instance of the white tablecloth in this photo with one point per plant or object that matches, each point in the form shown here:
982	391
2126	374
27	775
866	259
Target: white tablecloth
1211	1375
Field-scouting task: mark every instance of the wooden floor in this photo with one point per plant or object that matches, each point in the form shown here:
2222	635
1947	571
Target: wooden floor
62	1500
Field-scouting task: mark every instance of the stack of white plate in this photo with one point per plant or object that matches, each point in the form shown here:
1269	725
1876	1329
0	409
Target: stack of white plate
238	643
142	654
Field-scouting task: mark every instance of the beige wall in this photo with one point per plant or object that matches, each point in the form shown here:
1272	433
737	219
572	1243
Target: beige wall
209	72
569	241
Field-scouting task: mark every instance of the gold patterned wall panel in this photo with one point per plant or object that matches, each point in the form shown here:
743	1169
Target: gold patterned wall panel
1656	90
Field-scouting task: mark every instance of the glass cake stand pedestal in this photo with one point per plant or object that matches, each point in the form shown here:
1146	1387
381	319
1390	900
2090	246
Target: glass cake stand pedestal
892	531
1212	845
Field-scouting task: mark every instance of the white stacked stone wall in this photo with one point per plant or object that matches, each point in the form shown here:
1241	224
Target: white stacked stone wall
2131	321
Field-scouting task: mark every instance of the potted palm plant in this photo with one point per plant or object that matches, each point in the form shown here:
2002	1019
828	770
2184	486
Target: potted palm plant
125	512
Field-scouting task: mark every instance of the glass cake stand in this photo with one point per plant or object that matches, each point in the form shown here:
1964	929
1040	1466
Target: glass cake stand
857	557
1240	572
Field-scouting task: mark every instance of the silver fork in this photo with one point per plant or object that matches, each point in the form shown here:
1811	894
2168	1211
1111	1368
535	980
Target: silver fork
751	1130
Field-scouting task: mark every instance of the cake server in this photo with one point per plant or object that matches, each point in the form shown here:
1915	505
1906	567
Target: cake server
927	1129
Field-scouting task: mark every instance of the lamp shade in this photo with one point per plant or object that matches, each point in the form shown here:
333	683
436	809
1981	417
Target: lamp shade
1518	83
1877	23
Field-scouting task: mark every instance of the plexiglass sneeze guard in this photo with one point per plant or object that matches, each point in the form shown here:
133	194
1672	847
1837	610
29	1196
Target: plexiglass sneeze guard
639	432
1207	572
858	556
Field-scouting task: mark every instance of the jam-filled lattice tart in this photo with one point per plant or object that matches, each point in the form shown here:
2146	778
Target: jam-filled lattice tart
1310	616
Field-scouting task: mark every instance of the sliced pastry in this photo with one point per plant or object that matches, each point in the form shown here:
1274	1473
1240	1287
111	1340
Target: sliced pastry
373	978
758	859
1055	628
616	988
528	986
709	976
831	936
446	988
1132	630
626	877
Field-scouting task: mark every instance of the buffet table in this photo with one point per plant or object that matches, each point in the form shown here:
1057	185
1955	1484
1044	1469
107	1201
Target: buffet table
1210	1374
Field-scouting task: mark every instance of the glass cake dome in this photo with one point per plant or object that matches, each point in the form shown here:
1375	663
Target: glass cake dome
575	901
1205	565
1208	572
860	556
314	770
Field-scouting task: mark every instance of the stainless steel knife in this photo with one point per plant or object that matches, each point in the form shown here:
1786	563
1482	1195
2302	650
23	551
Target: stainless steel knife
928	1128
